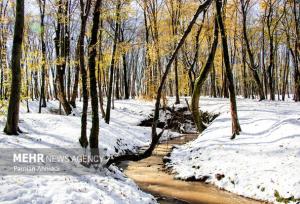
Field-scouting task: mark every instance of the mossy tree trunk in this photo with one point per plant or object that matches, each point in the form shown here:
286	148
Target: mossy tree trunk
201	79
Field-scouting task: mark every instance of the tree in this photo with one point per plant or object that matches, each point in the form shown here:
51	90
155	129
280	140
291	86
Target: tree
61	49
84	13
93	81
272	22
155	136
200	80
42	5
234	117
175	12
295	51
113	61
12	123
245	4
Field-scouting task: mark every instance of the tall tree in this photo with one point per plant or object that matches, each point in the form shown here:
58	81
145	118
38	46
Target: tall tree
113	61
93	81
155	136
42	5
175	12
84	13
295	52
234	116
61	48
245	4
12	123
200	80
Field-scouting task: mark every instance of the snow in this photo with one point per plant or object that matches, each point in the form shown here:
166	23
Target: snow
51	130
263	159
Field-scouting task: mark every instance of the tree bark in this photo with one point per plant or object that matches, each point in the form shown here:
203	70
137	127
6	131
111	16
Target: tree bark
201	79
126	88
12	123
85	9
99	71
253	67
93	81
234	116
296	56
42	5
112	64
61	57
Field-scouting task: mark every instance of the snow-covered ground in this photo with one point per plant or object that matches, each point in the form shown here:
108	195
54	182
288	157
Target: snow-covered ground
262	160
50	130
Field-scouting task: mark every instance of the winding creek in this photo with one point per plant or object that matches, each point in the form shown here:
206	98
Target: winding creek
151	177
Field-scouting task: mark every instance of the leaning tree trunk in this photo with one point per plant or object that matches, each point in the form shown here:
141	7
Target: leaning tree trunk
200	80
12	123
234	116
155	136
93	81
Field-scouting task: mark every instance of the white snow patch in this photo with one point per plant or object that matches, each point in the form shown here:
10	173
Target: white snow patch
51	130
265	157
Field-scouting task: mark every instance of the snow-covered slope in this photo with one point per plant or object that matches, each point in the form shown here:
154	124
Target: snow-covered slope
263	159
50	130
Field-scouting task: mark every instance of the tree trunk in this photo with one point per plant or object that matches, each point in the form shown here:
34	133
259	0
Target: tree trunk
213	91
60	48
296	51
12	123
85	9
201	79
112	65
93	81
245	91
177	101
253	67
99	71
77	71
234	116
126	89
117	79
42	5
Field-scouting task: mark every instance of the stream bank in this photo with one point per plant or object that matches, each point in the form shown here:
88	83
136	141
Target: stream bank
151	176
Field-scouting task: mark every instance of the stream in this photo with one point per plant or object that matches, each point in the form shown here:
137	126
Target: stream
151	177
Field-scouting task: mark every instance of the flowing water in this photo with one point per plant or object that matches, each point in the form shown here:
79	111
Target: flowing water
151	177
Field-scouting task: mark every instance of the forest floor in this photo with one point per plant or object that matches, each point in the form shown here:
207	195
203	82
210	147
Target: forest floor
263	162
80	184
264	158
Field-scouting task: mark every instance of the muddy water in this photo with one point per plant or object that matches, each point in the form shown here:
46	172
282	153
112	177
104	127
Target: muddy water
151	177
